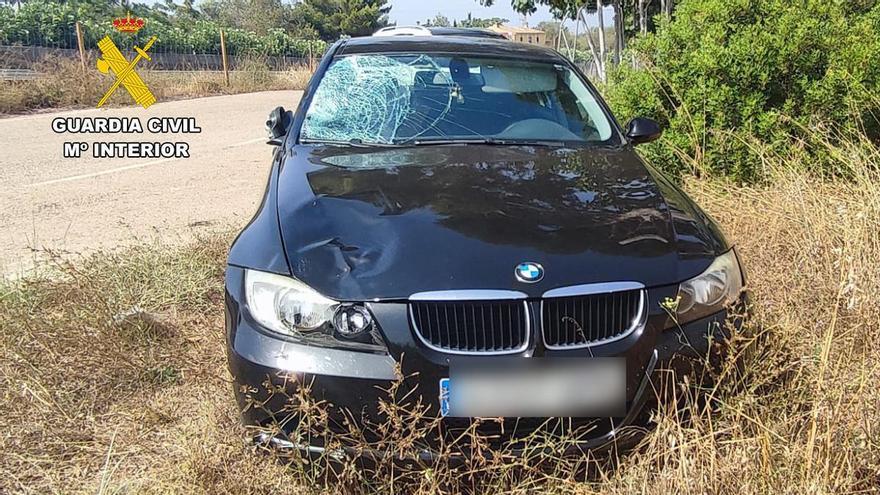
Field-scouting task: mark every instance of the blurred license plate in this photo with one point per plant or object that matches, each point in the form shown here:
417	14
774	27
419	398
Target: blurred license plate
533	388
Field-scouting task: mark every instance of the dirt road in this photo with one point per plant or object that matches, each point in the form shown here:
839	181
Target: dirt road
79	205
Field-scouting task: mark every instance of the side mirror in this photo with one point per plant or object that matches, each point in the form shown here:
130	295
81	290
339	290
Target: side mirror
641	130
277	123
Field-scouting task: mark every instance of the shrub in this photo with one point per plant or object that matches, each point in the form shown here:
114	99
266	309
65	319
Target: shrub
725	73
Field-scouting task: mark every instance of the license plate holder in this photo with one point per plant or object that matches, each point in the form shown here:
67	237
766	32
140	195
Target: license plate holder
593	387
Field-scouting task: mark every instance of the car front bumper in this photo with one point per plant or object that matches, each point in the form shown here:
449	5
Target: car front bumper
269	372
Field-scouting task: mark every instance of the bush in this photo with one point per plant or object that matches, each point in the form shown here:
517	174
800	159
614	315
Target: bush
726	73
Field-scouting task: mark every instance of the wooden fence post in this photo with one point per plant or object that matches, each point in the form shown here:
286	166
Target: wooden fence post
81	46
223	55
311	60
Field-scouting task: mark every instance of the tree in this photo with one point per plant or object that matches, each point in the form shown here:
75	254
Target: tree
554	30
258	16
477	22
171	12
642	13
645	11
619	30
335	18
185	11
439	20
601	18
576	10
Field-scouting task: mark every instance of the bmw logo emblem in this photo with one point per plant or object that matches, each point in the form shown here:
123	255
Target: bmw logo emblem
529	272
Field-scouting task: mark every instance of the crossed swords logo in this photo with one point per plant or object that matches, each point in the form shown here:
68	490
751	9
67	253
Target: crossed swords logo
114	60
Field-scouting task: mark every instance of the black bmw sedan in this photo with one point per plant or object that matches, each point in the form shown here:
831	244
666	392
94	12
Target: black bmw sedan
467	216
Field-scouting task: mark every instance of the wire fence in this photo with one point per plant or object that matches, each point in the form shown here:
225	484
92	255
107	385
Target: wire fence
31	58
28	51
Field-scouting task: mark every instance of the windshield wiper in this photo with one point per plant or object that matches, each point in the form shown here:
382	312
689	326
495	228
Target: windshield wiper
358	143
487	140
354	143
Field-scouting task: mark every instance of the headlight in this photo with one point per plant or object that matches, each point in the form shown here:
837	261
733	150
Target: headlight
711	291
289	307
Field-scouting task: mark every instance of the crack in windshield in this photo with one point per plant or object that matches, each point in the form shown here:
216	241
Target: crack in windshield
417	100
366	100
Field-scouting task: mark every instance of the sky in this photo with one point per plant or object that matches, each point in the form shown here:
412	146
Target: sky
407	12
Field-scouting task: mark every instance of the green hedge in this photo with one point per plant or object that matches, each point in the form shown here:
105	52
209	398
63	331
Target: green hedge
50	23
725	74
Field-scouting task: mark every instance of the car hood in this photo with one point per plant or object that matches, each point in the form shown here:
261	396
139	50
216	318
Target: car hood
376	224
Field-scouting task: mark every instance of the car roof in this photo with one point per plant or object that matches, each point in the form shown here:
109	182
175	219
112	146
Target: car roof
464	45
437	31
471	32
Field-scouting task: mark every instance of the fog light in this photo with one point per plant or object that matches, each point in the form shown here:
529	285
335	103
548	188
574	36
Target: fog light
351	321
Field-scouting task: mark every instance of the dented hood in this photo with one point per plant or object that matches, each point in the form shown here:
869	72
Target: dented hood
364	224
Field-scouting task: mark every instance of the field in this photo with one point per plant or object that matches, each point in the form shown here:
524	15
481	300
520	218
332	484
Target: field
114	380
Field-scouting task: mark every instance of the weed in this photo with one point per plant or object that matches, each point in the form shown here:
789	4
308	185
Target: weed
62	83
794	408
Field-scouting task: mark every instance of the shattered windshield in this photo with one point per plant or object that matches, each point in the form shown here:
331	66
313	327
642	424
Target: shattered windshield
416	99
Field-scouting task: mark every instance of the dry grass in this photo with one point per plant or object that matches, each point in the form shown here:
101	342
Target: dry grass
142	404
63	84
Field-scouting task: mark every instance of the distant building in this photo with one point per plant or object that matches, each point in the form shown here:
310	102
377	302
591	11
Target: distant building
521	34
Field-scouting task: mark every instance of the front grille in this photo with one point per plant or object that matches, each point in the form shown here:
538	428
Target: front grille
490	327
585	320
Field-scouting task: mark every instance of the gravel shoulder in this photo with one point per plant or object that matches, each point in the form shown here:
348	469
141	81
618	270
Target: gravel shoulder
75	206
